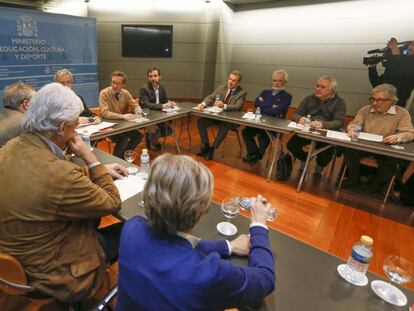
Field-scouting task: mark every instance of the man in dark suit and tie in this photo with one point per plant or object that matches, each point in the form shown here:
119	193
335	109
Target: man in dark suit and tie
154	96
231	97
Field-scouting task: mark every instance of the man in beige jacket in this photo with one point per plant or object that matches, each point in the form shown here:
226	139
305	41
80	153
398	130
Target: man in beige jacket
48	204
381	117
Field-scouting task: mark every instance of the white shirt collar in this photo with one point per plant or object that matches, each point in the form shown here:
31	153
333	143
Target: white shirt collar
59	153
391	110
190	238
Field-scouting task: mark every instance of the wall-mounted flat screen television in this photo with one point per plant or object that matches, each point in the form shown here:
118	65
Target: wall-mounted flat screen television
147	40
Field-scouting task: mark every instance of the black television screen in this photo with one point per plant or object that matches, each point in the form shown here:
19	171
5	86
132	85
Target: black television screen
147	40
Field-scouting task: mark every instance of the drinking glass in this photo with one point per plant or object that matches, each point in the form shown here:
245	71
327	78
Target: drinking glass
230	210
129	156
399	270
145	112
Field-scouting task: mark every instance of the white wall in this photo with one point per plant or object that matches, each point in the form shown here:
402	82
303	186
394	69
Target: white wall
308	40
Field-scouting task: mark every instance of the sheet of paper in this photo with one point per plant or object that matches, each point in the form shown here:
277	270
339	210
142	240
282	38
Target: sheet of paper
94	128
295	125
129	186
338	135
370	137
248	116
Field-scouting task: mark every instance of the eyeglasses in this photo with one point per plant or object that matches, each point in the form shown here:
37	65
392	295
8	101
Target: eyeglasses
378	100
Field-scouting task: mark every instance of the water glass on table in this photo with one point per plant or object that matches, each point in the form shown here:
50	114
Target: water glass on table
129	156
230	210
145	112
399	270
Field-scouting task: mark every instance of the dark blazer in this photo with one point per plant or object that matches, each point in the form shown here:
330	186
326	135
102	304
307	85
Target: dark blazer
167	273
147	96
86	112
236	100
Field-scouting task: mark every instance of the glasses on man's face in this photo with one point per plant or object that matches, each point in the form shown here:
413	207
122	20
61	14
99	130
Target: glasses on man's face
378	100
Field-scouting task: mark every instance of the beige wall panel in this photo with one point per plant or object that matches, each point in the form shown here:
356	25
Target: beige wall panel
148	15
182	52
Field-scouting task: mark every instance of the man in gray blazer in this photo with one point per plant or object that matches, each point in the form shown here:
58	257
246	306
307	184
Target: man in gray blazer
227	97
16	100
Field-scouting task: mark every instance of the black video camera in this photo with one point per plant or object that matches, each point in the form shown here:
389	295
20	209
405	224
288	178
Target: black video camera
381	55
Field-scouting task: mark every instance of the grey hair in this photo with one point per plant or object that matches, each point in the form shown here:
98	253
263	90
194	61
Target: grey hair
177	193
63	72
389	89
285	74
51	105
16	93
333	82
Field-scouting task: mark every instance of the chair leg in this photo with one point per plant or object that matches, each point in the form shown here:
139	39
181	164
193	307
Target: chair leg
240	144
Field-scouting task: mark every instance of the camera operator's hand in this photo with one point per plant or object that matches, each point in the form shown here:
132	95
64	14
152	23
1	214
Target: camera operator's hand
393	46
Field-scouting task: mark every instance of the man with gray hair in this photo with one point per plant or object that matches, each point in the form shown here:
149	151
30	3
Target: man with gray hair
382	117
48	204
327	110
273	103
16	100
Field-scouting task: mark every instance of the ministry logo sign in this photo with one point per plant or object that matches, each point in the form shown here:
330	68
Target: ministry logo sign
26	26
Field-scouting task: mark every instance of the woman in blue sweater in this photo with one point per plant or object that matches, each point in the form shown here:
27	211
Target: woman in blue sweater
163	267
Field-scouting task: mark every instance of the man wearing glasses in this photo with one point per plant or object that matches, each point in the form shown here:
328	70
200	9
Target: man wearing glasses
381	117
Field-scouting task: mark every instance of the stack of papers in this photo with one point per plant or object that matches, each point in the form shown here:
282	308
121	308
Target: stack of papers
362	135
176	108
94	128
129	186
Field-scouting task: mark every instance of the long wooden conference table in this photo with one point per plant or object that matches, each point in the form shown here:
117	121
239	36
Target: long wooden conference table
306	277
274	129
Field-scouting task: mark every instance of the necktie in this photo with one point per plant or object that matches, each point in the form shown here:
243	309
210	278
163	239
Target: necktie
117	96
227	98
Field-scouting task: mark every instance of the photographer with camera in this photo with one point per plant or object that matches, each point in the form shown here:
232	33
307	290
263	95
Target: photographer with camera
398	60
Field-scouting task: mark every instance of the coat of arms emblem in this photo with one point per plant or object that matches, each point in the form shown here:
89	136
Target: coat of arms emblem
26	26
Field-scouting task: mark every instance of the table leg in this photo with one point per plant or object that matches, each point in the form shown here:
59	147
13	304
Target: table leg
276	147
302	178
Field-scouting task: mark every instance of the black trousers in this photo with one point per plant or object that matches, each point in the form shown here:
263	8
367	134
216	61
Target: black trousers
296	143
126	141
249	134
204	123
387	166
109	239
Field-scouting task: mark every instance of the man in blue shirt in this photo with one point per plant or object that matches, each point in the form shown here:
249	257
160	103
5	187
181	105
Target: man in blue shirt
275	103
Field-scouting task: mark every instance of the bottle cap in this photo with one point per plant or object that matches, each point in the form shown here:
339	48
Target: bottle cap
144	150
367	240
85	132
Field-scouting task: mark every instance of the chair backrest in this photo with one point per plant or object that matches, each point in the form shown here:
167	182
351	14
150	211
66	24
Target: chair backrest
13	279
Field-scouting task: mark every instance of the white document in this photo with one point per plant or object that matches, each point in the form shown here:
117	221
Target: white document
370	137
129	186
295	125
213	109
94	128
338	135
248	116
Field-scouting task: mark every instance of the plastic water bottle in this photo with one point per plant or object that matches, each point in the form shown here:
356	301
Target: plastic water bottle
307	124
216	100
359	259
257	114
145	162
86	138
355	133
